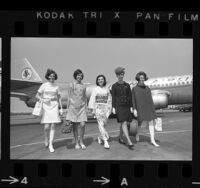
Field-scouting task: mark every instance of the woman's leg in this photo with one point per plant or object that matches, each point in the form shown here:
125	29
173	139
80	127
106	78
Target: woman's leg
51	137
82	132
125	131
137	137
75	133
121	134
46	131
103	132
151	131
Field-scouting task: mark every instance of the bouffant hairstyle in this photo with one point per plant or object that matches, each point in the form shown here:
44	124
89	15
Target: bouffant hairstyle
101	75
49	72
137	77
76	72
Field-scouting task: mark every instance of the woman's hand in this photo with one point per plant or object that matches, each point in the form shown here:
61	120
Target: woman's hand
135	112
113	110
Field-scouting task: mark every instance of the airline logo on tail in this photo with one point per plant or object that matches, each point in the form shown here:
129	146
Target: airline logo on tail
23	70
26	74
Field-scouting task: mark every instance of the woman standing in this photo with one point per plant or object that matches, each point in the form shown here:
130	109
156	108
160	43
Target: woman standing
77	107
143	105
49	94
100	103
122	105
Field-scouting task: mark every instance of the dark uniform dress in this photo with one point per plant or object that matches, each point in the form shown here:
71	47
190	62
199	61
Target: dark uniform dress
122	101
143	103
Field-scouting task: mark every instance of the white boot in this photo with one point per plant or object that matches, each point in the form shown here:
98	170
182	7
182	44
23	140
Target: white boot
106	145
151	131
51	136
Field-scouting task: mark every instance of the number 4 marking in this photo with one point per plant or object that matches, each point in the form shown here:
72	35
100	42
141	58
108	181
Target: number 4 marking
24	180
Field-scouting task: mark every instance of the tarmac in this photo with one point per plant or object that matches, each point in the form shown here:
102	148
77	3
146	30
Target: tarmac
175	140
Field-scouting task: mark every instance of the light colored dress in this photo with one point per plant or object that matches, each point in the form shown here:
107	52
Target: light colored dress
50	108
101	103
77	103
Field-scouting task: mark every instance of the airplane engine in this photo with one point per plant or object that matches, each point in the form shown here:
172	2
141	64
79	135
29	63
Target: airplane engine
31	102
160	101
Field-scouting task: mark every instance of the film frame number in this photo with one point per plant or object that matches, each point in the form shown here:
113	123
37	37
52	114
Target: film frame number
24	181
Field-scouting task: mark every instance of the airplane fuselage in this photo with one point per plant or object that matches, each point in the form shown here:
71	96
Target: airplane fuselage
180	94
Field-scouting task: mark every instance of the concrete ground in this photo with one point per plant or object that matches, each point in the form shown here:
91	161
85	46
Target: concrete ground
27	141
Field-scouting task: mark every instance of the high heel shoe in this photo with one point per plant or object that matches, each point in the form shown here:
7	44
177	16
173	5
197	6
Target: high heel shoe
121	141
131	146
106	145
77	146
82	146
154	143
51	149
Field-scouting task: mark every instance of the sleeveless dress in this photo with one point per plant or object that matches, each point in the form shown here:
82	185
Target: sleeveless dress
50	108
77	103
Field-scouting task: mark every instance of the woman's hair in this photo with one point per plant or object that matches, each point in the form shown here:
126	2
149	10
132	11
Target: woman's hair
49	72
101	75
137	77
76	72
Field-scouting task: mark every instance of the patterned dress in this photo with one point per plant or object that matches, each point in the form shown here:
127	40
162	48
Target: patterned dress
77	103
50	108
101	103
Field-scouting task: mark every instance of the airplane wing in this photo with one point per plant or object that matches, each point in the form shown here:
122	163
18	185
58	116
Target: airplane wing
22	84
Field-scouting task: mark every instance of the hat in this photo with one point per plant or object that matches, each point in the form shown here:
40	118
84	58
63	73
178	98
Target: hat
119	70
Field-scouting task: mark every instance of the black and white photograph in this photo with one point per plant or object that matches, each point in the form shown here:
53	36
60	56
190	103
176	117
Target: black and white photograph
101	99
0	94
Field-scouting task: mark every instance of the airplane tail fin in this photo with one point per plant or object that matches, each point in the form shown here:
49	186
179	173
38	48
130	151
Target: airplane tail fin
23	70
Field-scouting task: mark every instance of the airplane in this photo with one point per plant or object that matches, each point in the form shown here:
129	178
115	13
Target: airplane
169	90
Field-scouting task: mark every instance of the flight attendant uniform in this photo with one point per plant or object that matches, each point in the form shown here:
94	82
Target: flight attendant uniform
122	101
143	103
50	91
101	103
77	103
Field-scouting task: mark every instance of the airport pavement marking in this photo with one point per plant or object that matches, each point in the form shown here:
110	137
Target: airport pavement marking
35	143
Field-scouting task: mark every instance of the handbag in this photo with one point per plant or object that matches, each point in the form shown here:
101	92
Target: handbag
38	109
66	127
158	124
133	128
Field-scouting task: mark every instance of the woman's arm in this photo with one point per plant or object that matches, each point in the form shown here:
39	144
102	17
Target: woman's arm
134	102
39	96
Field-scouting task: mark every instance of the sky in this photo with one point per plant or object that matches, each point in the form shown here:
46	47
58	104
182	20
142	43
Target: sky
156	57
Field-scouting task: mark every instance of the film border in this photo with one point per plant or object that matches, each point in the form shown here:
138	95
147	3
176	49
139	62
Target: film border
53	173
